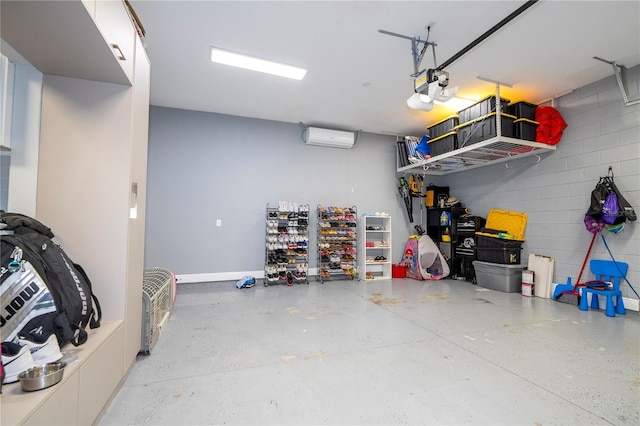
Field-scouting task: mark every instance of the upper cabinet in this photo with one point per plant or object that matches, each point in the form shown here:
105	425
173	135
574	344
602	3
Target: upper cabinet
6	101
113	21
90	40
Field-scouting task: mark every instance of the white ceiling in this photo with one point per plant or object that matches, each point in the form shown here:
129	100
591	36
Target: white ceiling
359	79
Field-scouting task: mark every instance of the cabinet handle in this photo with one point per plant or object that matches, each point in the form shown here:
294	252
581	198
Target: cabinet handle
133	210
119	55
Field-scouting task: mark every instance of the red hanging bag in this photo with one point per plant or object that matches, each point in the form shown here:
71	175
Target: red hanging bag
551	125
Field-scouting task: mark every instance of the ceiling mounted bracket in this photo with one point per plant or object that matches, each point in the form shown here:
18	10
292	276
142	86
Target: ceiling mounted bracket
429	85
620	71
496	82
415	43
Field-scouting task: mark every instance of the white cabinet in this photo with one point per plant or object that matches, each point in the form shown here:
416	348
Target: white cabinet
113	21
62	38
62	408
91	190
92	373
376	257
137	190
7	69
92	398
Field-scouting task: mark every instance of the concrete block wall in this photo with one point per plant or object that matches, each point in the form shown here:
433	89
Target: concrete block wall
555	192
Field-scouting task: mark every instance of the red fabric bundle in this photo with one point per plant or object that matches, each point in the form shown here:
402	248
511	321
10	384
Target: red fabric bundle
551	125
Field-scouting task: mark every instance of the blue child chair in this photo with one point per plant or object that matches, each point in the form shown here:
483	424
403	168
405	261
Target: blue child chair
608	271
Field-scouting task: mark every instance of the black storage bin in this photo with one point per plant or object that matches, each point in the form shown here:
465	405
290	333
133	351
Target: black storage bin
504	256
484	128
523	110
443	144
481	108
442	127
483	242
525	129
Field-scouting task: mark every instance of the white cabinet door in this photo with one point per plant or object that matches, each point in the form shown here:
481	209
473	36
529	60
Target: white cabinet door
61	408
6	101
91	7
137	204
99	378
115	25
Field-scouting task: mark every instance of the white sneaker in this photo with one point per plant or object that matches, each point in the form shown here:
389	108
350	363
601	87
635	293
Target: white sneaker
15	360
42	350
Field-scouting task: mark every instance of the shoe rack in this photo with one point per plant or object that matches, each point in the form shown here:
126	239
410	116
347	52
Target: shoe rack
287	244
337	243
376	255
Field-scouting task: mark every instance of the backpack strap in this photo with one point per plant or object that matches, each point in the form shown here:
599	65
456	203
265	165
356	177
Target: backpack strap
96	313
65	332
80	336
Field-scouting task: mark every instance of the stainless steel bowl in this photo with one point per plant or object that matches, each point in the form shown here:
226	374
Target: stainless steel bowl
42	376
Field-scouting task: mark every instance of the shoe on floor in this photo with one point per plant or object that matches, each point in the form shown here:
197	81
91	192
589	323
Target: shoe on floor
43	350
15	360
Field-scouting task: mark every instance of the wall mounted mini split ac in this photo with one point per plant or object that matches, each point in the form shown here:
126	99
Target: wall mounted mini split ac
327	137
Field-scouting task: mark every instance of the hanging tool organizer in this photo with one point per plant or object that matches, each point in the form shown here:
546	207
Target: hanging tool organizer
609	211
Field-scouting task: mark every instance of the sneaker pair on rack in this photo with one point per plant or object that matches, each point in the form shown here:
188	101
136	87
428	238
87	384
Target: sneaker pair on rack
27	352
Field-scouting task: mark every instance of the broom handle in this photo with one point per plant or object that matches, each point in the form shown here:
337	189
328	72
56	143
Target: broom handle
585	261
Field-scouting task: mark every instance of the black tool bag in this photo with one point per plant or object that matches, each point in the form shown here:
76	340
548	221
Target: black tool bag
26	303
35	258
604	188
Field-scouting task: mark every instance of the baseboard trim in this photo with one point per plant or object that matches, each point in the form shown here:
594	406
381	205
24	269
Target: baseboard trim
224	276
217	276
631	304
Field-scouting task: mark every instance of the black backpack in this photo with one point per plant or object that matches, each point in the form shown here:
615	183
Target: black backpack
26	302
604	188
76	305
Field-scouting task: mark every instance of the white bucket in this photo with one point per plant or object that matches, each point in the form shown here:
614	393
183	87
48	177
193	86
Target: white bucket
528	285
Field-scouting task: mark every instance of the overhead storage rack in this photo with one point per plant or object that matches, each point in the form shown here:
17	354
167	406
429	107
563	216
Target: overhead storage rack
497	149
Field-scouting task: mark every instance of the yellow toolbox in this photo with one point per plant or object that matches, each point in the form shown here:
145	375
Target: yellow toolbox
504	246
514	223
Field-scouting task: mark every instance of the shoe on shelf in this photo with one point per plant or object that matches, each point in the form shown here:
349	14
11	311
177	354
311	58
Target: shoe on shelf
15	360
43	349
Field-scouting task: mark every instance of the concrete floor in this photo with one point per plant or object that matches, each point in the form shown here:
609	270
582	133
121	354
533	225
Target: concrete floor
382	352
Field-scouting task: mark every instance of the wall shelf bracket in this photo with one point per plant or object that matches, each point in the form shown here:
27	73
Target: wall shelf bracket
620	72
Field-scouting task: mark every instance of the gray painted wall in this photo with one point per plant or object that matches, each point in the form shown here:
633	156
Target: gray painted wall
555	193
204	167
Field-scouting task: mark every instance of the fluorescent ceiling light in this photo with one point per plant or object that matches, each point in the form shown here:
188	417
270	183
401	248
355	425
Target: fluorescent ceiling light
228	57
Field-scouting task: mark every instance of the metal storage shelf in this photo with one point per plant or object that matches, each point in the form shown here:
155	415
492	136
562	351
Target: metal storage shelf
491	151
287	244
337	243
495	150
